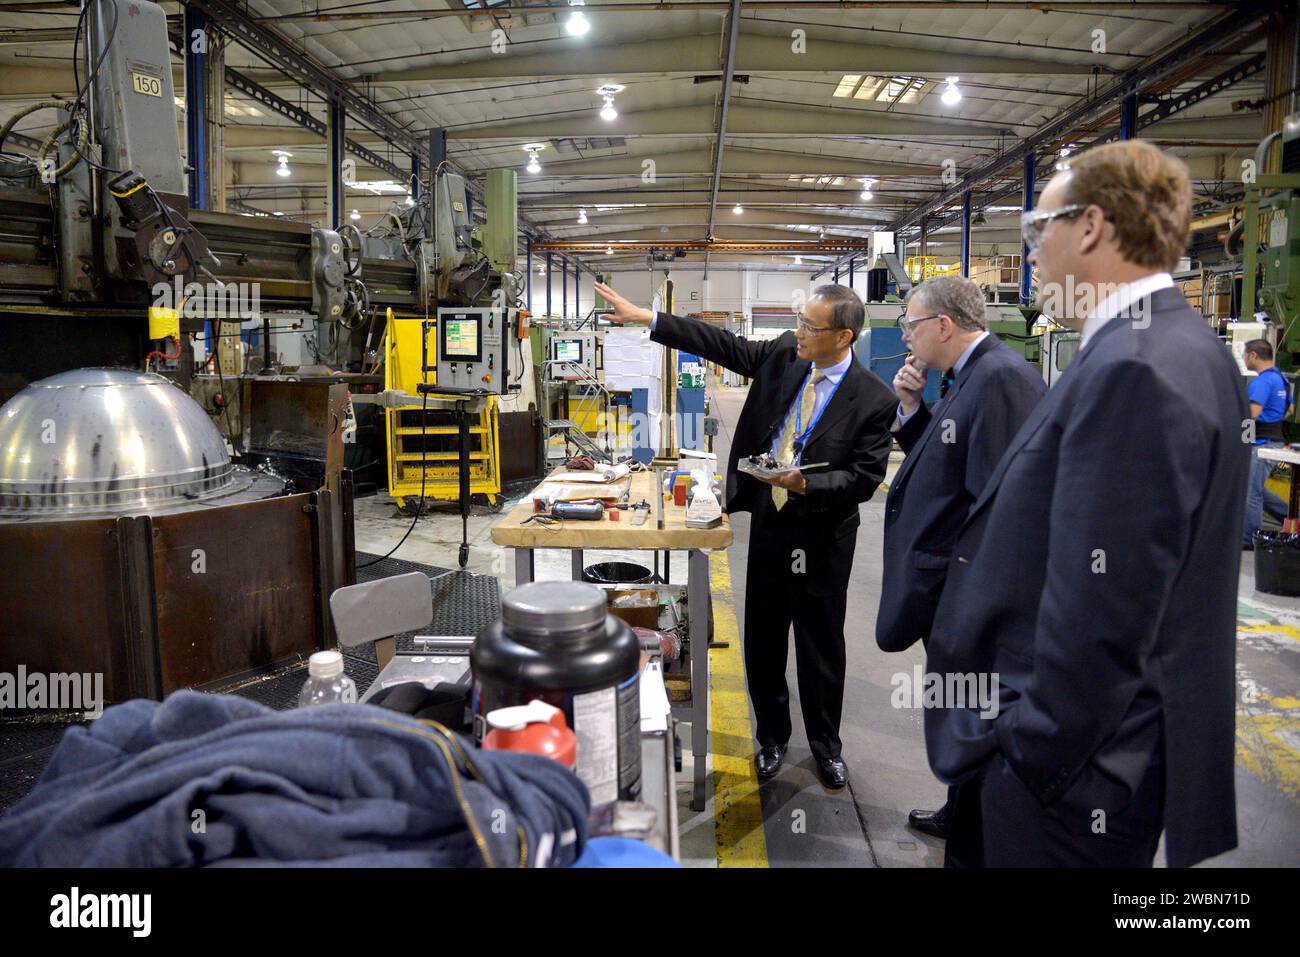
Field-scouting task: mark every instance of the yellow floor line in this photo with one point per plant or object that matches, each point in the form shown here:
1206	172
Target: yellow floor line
738	811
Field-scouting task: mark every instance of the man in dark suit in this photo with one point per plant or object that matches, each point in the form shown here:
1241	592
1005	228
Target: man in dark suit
810	400
1096	575
989	390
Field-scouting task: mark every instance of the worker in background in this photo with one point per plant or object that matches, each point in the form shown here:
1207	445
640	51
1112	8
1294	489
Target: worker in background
1096	575
988	391
809	401
1270	403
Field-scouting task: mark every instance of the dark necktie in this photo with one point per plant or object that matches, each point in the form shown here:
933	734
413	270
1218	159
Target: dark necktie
945	383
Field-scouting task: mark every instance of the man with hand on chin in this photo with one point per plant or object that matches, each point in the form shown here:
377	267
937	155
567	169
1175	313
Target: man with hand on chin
810	401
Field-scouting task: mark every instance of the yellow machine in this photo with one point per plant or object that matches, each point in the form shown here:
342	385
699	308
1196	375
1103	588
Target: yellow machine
406	355
921	268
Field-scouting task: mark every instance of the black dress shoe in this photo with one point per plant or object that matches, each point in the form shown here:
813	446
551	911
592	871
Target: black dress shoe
934	823
833	772
769	761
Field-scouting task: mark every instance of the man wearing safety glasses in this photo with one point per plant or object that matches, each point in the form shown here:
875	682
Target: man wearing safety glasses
810	402
1096	574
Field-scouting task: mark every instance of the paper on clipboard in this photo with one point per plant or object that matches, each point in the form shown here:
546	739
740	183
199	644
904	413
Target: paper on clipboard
601	474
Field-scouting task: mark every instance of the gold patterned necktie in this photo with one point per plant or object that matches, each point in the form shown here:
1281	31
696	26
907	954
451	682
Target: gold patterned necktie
807	399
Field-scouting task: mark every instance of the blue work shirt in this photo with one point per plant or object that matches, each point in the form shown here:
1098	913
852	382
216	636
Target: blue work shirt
1269	391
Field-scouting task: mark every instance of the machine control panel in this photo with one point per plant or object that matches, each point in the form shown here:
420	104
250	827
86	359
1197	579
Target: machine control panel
473	349
572	355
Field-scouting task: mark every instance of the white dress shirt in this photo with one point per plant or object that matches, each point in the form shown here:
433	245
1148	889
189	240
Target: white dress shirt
1124	296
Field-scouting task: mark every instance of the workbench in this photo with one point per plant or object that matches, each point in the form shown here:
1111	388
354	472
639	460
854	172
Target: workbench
578	535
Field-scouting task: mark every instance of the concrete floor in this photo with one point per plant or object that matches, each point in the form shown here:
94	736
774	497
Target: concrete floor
792	821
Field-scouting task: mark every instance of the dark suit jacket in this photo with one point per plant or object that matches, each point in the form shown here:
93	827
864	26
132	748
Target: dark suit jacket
852	434
951	452
1097	577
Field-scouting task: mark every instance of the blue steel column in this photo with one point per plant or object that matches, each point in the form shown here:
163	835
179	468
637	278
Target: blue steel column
548	282
965	234
336	134
564	289
1128	117
1027	204
415	177
837	275
577	284
196	107
850	273
528	271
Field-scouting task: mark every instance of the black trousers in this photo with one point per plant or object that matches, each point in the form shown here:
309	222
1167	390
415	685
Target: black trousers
1096	823
797	575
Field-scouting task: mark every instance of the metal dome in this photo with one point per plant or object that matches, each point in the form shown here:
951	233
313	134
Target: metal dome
107	440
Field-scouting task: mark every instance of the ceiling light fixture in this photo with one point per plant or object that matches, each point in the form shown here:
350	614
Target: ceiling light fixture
354	215
607	93
582	217
283	157
866	194
738	209
532	149
576	25
609	250
798	260
952	95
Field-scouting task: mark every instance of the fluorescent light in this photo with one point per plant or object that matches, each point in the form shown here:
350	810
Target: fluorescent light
952	95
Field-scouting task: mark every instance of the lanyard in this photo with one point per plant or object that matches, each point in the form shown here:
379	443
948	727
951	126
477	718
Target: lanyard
801	437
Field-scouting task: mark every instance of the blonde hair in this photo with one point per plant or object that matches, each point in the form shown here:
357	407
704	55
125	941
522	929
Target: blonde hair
1146	193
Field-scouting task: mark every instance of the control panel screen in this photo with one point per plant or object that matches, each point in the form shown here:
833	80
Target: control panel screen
460	338
568	350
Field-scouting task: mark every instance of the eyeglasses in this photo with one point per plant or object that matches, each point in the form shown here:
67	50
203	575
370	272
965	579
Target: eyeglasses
1035	222
908	326
812	330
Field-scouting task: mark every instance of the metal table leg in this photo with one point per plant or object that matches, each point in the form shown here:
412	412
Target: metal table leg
523	566
577	563
697	587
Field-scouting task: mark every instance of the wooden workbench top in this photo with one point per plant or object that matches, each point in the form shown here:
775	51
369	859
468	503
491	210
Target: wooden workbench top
575	533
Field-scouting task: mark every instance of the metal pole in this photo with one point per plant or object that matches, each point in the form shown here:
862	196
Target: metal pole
1128	117
528	271
965	234
196	105
336	198
564	288
1027	204
548	283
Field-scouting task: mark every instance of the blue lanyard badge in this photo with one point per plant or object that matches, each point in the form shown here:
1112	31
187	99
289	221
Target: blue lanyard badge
800	437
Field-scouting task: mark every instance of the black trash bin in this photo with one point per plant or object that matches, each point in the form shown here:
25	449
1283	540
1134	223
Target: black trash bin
1277	563
617	573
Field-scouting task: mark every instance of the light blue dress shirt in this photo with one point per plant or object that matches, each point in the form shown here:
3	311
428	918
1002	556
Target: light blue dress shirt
956	368
821	395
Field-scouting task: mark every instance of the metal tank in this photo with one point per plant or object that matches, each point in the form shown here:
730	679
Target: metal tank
134	546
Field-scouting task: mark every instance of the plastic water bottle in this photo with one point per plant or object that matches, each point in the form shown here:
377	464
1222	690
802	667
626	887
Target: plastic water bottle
326	682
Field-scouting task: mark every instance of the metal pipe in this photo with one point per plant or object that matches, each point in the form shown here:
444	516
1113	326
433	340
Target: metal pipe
728	62
975	6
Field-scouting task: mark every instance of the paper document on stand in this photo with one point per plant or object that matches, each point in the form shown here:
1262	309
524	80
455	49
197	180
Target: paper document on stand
655	707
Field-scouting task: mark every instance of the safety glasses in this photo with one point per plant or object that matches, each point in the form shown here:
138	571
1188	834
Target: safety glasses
1035	222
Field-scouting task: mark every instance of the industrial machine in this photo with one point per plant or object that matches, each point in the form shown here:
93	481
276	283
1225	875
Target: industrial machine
572	355
142	552
104	264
